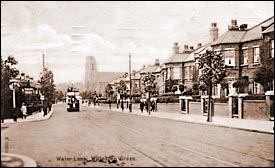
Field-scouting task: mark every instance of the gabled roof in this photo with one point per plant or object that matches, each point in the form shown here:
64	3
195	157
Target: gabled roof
108	76
231	36
237	36
149	68
256	32
177	58
269	29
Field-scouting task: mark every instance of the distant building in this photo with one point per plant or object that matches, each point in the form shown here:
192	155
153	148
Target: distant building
96	81
91	82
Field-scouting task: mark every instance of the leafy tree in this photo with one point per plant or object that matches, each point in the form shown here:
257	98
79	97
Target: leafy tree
149	83
109	93
265	74
213	72
7	72
47	83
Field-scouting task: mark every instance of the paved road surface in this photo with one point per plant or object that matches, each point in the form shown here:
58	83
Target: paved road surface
84	139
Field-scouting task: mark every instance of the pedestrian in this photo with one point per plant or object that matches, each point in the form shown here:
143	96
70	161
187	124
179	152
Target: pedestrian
50	106
24	111
146	105
153	105
122	105
141	105
45	108
94	102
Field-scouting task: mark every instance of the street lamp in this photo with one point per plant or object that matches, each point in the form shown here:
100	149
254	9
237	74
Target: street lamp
12	87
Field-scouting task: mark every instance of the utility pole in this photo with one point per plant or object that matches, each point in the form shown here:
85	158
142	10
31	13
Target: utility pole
130	78
43	56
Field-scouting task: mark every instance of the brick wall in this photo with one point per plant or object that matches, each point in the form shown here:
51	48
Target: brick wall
221	109
195	108
255	109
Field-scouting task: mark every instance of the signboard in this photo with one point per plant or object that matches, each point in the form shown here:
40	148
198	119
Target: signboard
28	91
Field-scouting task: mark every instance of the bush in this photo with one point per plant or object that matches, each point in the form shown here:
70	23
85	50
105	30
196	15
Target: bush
255	97
196	98
221	100
168	99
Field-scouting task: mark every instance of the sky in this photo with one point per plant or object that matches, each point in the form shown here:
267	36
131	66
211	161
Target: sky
68	31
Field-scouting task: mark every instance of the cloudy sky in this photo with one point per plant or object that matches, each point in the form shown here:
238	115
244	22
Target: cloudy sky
67	32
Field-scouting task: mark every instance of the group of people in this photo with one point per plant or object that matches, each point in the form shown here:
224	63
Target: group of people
47	106
144	104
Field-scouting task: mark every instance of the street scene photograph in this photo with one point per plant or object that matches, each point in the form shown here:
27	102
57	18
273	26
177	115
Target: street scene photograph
137	83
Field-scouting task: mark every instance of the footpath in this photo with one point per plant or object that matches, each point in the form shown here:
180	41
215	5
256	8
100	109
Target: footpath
234	123
18	160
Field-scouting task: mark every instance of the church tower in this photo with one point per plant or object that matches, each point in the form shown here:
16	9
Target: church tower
91	79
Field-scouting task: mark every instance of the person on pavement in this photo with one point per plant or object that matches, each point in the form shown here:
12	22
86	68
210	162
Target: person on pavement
24	110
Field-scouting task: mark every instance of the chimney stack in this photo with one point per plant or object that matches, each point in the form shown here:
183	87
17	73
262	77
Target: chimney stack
191	48
157	62
176	48
234	25
243	27
214	32
185	49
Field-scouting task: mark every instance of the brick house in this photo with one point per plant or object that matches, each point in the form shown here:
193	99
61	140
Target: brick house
241	51
179	68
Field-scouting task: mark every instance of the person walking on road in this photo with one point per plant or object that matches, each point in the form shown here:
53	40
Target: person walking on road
141	105
24	110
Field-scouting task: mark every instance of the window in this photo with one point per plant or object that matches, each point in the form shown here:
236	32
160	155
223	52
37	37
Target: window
176	73
191	72
256	54
186	70
229	56
168	73
245	56
272	48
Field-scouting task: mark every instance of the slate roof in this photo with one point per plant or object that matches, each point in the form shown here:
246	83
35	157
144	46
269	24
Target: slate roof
177	58
108	76
269	29
237	36
149	68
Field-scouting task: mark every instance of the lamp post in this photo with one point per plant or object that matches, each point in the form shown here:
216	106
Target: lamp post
12	86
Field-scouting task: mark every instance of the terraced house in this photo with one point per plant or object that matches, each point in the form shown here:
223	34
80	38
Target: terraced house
243	50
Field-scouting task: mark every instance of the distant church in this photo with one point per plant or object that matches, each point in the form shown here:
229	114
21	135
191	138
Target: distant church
94	80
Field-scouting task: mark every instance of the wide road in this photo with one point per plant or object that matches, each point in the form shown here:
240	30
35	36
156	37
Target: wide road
91	136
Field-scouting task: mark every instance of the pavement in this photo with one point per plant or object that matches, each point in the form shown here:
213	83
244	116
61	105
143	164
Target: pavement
16	160
261	126
19	160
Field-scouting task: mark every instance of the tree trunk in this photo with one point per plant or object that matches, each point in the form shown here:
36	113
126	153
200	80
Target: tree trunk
209	112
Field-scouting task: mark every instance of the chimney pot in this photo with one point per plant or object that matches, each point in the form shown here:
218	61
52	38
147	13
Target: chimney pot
157	62
176	48
199	45
234	25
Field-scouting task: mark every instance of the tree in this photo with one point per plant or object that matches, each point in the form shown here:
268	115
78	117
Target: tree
265	74
47	83
109	93
213	72
149	83
7	72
